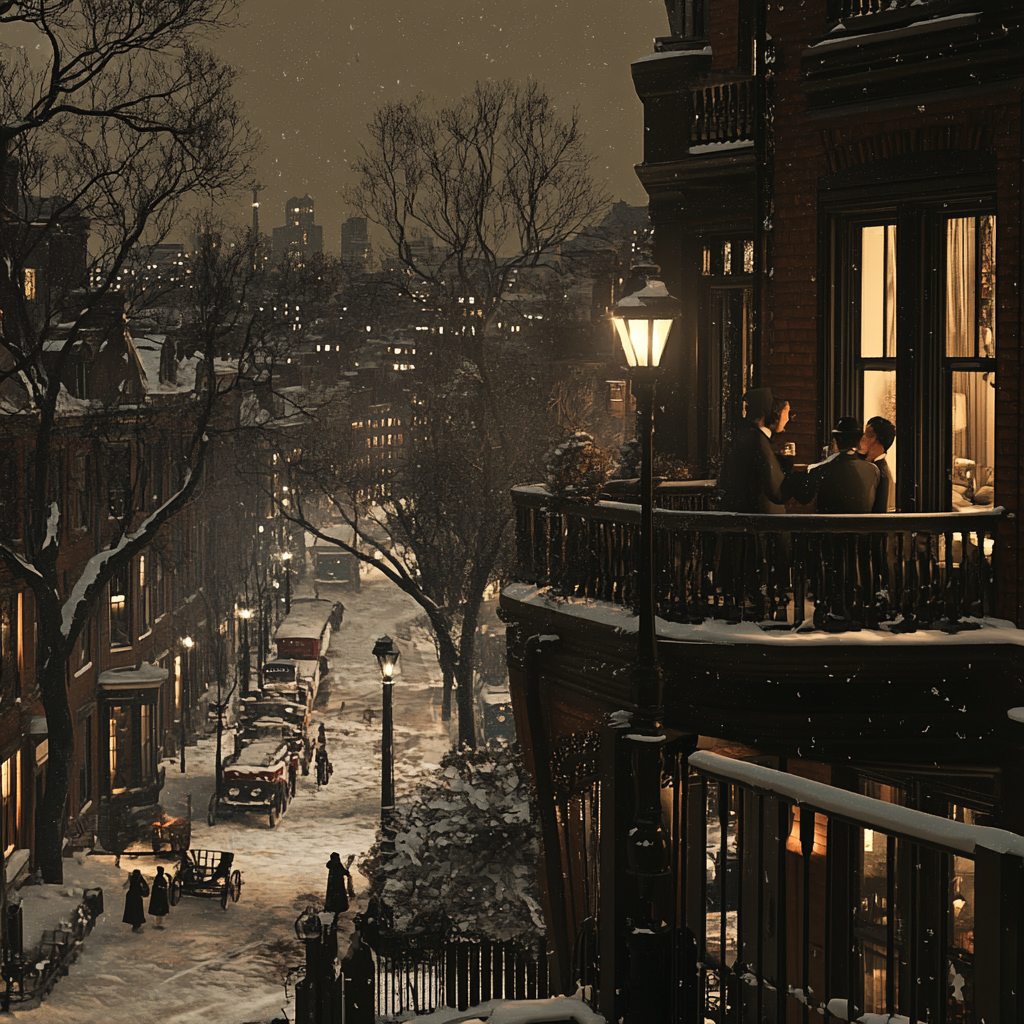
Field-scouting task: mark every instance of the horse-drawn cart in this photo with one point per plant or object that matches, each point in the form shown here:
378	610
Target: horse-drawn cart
209	874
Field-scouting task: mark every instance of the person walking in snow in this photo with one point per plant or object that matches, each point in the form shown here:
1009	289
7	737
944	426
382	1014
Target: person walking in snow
158	905
323	765
337	881
134	909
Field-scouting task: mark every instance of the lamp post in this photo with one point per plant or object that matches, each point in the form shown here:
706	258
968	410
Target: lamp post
386	653
187	643
286	558
245	614
643	320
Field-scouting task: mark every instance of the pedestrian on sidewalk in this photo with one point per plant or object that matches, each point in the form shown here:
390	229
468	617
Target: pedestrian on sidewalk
158	905
293	773
337	886
134	909
323	765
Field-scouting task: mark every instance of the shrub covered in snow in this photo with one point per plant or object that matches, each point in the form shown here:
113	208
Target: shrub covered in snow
466	851
578	468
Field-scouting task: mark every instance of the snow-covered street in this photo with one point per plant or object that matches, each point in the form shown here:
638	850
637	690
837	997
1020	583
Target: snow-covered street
231	966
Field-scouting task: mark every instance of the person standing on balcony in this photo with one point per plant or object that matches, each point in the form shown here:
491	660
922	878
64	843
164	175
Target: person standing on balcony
752	477
844	483
879	435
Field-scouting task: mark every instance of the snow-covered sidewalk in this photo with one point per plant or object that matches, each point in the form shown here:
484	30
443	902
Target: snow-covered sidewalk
234	966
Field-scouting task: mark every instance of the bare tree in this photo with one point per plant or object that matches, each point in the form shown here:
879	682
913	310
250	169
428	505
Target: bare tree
470	194
122	119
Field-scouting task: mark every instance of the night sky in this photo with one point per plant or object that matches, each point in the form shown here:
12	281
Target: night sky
315	70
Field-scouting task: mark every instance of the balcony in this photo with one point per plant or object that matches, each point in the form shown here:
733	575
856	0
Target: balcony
723	116
879	49
896	573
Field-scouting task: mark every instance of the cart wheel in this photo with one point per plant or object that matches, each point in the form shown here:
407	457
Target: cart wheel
174	894
225	892
273	815
236	885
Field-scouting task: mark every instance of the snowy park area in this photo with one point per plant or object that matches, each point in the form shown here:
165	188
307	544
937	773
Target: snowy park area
233	966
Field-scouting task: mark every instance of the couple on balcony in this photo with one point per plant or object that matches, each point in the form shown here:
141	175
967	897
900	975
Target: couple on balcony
853	479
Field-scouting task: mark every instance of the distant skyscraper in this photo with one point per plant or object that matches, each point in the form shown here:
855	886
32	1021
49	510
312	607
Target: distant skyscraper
355	241
300	237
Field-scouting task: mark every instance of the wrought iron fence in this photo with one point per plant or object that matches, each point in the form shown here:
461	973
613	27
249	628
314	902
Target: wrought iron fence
417	976
29	978
902	570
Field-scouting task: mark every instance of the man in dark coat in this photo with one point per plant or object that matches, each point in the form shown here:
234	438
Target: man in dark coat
879	435
158	905
134	909
844	482
752	479
337	890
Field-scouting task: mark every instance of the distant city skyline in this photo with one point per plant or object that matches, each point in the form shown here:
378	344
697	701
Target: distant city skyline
312	76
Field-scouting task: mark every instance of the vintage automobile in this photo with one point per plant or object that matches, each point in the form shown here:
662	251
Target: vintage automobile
257	781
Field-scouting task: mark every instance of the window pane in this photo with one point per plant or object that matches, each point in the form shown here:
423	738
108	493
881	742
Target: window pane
961	279
973	419
879	390
878	291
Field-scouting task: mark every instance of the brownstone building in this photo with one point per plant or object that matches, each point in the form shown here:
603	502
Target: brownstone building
835	191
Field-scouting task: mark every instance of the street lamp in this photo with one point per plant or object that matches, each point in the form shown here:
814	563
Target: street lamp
386	653
245	614
185	690
643	320
286	558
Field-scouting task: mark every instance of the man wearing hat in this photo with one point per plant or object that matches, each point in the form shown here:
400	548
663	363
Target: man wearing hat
844	482
752	478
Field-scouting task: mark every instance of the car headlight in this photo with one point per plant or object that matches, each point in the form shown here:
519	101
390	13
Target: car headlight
233	791
255	791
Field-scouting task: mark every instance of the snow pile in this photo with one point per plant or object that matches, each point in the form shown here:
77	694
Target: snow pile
465	850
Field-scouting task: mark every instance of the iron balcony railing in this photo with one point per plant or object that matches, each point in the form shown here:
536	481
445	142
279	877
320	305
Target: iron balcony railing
723	112
837	571
807	902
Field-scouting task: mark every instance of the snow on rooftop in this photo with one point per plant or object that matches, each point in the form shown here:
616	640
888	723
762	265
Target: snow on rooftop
307	619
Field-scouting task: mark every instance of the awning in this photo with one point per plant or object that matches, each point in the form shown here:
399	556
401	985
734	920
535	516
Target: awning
132	678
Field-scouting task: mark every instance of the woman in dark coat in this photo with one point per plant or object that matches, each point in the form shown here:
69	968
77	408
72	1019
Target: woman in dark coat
158	905
337	893
134	910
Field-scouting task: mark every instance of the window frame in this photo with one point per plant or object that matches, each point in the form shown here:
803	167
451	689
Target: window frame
923	370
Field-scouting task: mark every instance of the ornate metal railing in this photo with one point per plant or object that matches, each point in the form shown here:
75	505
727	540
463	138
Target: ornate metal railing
840	10
808	902
839	571
723	112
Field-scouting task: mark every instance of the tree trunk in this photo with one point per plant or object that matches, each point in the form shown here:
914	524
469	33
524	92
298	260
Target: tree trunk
466	705
51	811
448	675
